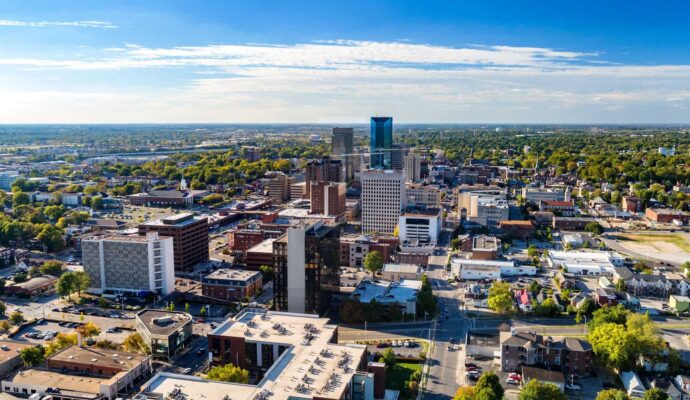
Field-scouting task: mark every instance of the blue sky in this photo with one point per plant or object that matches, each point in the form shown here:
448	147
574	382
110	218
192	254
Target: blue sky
338	62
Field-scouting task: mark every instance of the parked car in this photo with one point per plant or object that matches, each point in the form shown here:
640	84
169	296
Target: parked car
573	386
512	381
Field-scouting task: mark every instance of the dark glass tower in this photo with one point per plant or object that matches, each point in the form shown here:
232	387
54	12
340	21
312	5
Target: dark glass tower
381	142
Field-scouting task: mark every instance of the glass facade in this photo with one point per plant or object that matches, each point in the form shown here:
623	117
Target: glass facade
381	142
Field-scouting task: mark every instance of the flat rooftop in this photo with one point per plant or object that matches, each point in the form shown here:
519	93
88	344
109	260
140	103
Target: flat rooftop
232	274
10	349
487	243
265	246
402	268
100	357
387	292
177	220
166	326
72	383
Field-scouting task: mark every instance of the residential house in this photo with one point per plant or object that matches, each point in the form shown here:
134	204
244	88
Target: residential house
571	356
522	297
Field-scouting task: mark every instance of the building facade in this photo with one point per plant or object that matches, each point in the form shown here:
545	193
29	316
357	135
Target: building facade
381	142
165	332
412	167
343	148
328	198
231	284
190	238
383	198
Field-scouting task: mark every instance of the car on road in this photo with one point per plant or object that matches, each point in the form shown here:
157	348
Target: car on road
573	386
452	340
512	381
200	321
200	351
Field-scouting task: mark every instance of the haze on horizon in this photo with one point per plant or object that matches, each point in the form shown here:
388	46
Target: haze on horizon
310	62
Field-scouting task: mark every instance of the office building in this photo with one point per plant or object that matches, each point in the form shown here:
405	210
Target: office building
165	332
383	198
166	198
343	148
7	178
484	207
381	142
306	267
279	187
328	198
537	194
401	295
190	238
354	248
420	224
231	284
412	167
398	154
290	356
134	264
298	190
324	170
423	195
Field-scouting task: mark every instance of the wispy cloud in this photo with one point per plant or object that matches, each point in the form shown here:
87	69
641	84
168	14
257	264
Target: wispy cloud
342	80
44	24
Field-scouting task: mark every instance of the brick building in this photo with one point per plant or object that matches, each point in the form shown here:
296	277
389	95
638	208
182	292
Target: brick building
568	355
231	284
190	238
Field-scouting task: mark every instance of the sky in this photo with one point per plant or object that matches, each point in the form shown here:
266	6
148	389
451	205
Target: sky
170	61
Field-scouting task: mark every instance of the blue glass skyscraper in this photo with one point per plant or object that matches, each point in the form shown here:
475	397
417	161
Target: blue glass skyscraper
381	142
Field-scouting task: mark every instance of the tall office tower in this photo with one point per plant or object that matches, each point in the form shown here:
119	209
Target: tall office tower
190	238
381	142
279	187
412	167
398	154
324	170
383	198
122	263
343	148
328	198
306	263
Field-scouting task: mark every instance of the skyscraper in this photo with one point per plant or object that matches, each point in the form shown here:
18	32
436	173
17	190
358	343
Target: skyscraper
381	142
324	170
343	146
383	197
412	167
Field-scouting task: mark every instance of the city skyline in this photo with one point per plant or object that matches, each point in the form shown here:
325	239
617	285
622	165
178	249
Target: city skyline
298	62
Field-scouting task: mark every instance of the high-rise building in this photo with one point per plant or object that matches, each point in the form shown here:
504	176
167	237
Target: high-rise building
190	238
328	198
324	170
279	187
398	154
412	167
381	142
306	267
383	198
343	148
130	263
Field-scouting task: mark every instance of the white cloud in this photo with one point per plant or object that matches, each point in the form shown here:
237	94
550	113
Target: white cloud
43	24
346	80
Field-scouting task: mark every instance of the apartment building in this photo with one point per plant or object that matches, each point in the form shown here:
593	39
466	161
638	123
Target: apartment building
412	167
423	195
328	198
571	356
133	264
383	198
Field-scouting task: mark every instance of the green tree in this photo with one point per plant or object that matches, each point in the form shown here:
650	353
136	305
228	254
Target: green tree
389	357
655	394
489	386
97	203
5	326
594	227
32	356
20	198
52	267
3	308
373	262
54	212
16	318
536	390
134	343
81	281
186	308
500	297
351	311
61	341
51	237
532	251
88	330
20	277
612	394
611	344
266	272
66	284
464	392
228	373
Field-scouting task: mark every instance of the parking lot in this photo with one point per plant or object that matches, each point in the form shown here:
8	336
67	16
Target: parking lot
36	332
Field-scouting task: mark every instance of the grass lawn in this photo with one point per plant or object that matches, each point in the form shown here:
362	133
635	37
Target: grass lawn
676	239
398	375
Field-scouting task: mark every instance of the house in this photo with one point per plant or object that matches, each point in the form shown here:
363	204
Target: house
523	300
632	384
605	297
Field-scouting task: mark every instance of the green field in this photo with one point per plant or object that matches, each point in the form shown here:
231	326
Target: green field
397	376
679	240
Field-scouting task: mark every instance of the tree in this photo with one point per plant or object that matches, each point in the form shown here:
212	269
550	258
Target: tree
20	198
20	277
612	394
228	373
532	251
51	237
16	318
266	272
81	281
489	387
536	390
61	341
134	343
5	326
97	203
373	262
612	346
464	392
500	297
186	308
88	330
389	358
32	356
52	267
66	284
594	227
3	308
616	315
655	394
351	311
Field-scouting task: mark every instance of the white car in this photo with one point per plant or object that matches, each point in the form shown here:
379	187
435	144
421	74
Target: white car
573	386
512	381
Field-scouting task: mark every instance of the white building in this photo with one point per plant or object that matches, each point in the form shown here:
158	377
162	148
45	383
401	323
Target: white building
488	269
412	167
590	262
397	272
421	224
485	207
665	151
121	263
538	194
7	178
401	294
383	198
